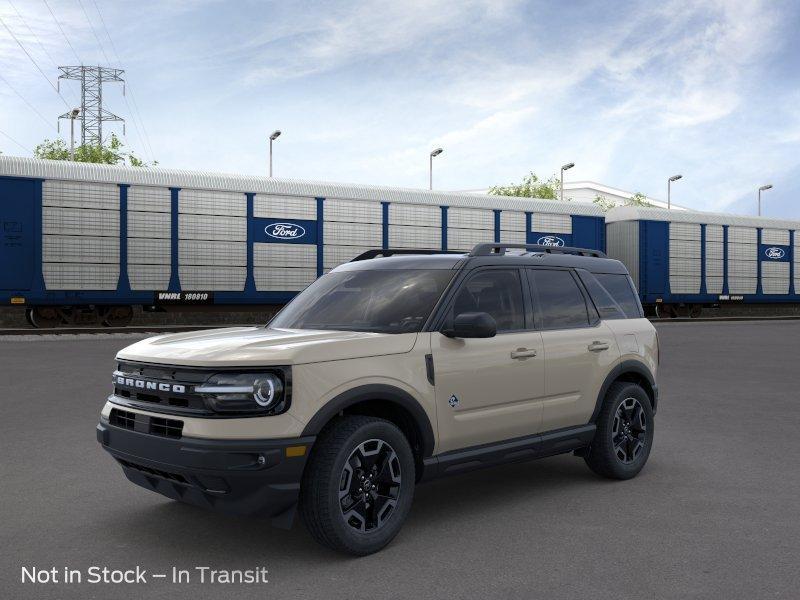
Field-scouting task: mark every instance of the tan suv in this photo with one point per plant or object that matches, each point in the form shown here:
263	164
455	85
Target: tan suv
394	368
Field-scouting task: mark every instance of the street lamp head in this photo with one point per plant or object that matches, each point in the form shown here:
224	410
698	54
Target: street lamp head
567	166
275	134
765	187
75	112
436	152
675	177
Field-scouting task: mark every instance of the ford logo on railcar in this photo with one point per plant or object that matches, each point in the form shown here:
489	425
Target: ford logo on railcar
285	231
550	240
775	253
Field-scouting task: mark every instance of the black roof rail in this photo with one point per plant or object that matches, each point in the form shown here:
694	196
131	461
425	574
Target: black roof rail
489	249
369	254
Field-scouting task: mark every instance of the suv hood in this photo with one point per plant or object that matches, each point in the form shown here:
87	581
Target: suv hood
259	346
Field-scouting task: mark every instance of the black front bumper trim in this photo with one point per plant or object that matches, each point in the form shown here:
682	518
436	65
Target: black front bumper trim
242	477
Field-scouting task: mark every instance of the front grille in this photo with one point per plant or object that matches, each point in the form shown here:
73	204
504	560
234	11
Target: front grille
139	380
150	471
122	418
169	428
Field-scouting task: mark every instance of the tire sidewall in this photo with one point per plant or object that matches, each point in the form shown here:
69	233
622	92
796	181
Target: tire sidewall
373	540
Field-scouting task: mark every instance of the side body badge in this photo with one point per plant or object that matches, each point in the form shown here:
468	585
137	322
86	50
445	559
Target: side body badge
453	401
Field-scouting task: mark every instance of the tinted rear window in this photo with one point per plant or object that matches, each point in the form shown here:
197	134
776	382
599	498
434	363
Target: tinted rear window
621	289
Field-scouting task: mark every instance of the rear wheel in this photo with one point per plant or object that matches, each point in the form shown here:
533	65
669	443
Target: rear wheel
624	433
358	486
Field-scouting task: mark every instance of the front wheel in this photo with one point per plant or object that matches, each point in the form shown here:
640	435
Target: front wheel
358	486
624	433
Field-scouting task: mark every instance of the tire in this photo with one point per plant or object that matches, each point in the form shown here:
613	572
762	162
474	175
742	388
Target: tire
617	451
345	520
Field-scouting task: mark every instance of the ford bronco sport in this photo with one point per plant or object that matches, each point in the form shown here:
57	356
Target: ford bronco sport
397	367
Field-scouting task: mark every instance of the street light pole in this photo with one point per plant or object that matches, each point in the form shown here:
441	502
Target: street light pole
763	188
669	189
436	152
273	136
72	115
564	168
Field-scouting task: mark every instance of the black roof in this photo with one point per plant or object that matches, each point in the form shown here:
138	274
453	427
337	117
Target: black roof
480	256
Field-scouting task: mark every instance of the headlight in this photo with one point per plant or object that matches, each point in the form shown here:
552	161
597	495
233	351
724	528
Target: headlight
263	393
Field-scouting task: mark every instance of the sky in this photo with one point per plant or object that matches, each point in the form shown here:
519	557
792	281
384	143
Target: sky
631	92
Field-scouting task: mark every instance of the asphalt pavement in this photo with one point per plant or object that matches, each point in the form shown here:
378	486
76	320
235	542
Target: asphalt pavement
714	514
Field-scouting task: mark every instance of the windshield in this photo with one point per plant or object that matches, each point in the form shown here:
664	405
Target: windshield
391	301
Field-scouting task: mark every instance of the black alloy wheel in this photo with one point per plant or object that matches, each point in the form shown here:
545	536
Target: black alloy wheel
629	433
370	485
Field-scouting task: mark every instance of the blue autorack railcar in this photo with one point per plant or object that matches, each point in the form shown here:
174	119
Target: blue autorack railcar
682	260
92	241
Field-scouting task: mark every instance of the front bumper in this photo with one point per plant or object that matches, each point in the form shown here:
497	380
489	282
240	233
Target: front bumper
242	477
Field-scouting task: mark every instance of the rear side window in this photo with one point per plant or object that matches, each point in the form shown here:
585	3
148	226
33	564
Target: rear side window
621	289
559	299
607	307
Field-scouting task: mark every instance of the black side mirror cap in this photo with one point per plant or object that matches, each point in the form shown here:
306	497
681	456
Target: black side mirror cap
472	325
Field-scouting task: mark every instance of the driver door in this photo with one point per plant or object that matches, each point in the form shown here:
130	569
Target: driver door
489	389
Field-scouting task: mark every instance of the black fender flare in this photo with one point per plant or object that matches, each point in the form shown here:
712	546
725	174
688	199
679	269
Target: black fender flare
628	366
375	391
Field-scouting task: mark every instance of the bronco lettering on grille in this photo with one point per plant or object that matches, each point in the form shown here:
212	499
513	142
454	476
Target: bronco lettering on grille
144	384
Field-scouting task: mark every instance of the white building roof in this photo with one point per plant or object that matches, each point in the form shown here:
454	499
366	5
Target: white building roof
637	213
585	192
156	176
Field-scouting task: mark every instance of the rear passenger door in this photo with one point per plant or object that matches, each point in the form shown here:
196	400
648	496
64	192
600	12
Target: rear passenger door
489	389
579	349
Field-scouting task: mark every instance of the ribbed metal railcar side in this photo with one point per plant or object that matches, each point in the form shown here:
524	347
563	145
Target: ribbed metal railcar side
120	236
695	258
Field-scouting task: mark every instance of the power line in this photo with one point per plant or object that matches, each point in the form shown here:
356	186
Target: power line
35	64
21	97
38	41
136	114
99	43
16	142
61	29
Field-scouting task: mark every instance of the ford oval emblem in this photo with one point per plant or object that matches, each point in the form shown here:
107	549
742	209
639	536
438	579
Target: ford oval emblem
285	231
550	240
775	253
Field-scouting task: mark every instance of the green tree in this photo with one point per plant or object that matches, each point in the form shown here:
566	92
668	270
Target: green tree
606	204
531	187
638	199
112	153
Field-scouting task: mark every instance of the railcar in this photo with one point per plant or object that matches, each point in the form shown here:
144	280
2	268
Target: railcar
87	243
684	261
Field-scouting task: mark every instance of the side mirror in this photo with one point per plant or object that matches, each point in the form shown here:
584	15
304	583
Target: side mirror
472	325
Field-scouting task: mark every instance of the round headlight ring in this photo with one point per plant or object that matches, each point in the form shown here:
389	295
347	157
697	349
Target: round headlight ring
267	391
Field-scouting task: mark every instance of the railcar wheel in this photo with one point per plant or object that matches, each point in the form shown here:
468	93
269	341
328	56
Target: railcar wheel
44	317
695	311
118	316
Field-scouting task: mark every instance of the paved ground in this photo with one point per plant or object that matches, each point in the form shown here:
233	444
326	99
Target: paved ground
715	514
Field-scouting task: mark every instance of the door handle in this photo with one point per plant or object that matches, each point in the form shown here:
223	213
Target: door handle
598	346
522	353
